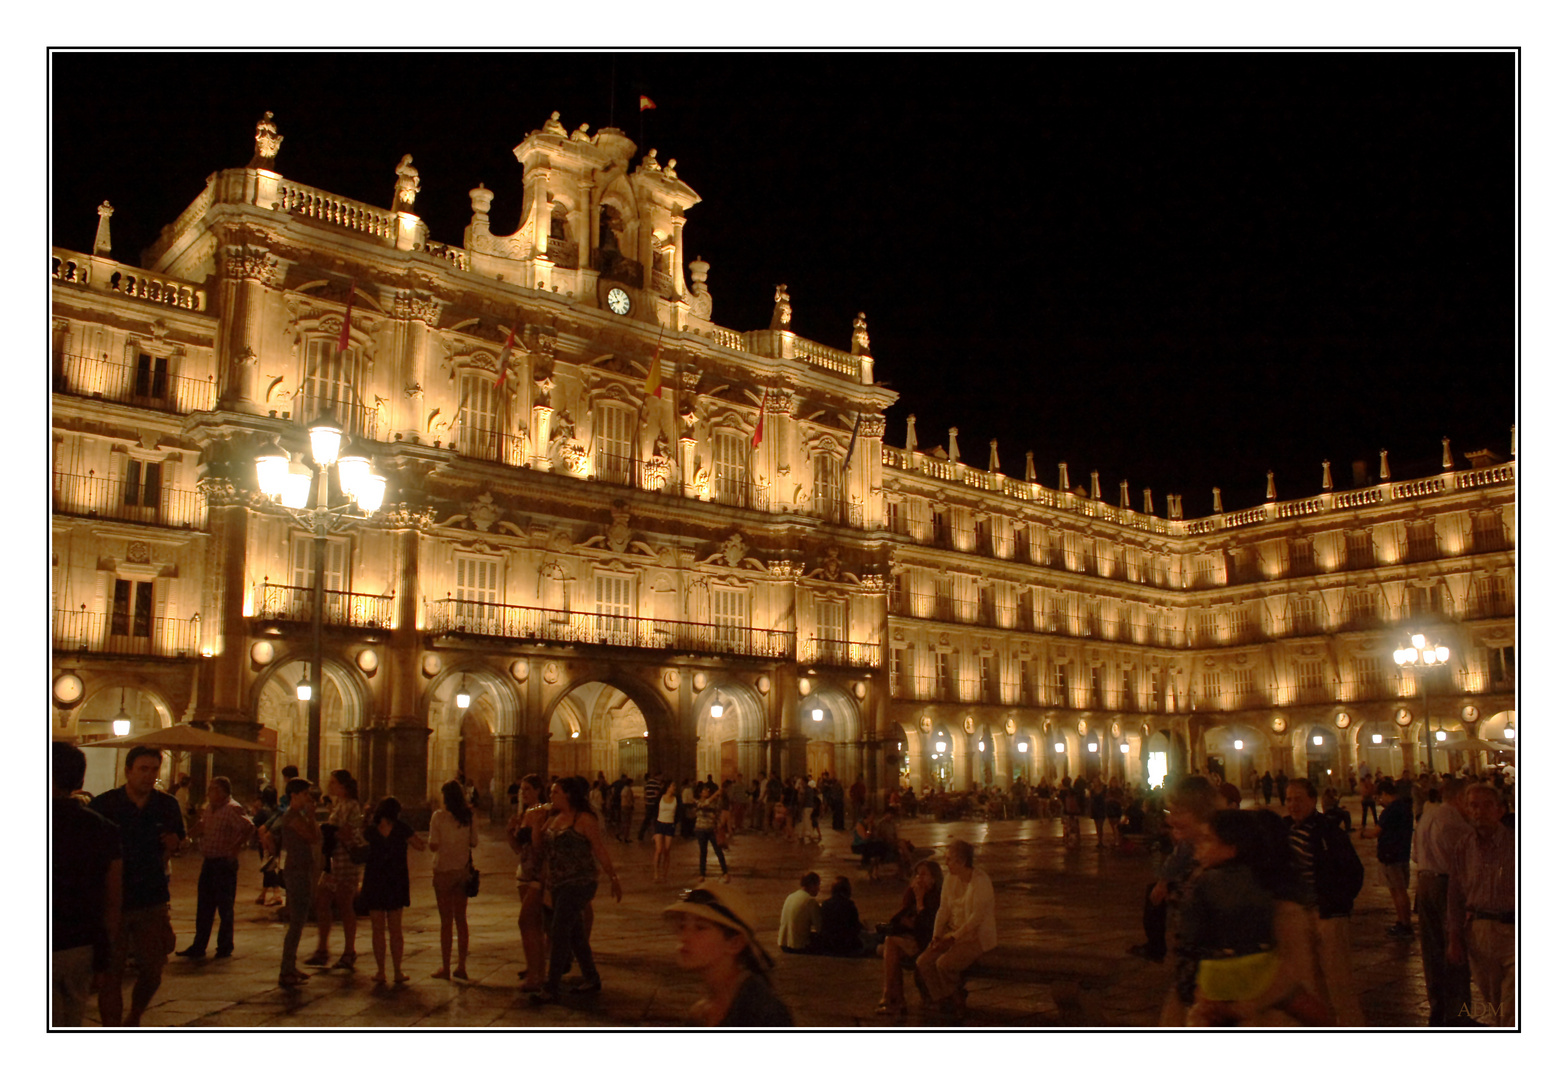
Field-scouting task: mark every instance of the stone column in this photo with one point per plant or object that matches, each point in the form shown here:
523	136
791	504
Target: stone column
400	733
543	415
247	272
222	679
678	271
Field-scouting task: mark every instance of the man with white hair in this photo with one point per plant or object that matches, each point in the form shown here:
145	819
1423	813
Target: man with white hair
1481	905
965	926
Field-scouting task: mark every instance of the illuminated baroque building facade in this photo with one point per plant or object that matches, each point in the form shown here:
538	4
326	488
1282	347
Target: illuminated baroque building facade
695	580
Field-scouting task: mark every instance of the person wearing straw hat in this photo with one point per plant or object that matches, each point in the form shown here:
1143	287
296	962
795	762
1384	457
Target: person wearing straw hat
718	941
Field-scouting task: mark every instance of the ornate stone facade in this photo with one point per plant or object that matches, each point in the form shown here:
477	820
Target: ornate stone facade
598	569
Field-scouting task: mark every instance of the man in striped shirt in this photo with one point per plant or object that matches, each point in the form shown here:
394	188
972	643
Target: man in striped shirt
225	831
1331	876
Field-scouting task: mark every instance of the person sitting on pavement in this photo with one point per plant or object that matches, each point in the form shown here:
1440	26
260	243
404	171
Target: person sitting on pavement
800	919
965	928
841	927
718	943
908	933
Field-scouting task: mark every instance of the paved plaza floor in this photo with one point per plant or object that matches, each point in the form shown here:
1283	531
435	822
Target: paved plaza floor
1083	898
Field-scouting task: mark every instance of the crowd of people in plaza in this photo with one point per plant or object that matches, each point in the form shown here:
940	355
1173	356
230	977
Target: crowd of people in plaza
1258	901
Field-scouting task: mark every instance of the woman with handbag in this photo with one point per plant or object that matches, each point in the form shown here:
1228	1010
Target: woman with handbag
575	850
346	855
384	894
453	836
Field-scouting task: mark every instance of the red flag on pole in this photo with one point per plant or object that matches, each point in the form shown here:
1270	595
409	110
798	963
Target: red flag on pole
644	103
347	314
506	354
756	436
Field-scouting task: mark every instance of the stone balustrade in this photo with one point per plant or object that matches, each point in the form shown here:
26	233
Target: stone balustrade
335	210
106	275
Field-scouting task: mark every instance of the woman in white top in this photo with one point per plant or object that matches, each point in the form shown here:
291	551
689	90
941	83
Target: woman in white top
965	927
453	834
664	833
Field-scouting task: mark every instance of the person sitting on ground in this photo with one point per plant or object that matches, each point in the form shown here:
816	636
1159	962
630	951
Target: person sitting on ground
841	927
965	928
801	916
908	933
718	942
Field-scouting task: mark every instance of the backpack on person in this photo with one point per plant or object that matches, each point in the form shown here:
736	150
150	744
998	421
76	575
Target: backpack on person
1340	874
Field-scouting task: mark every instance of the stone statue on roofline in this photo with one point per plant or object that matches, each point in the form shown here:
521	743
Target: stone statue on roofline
553	126
267	142
781	308
860	338
407	184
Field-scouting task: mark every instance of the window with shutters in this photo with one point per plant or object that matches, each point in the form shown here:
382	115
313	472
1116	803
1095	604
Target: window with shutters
152	377
478	593
1488	534
612	448
1212	690
1304	614
1128	700
1246	687
827	487
729	468
612	606
1208	626
480	428
1501	664
1358	549
1096	688
1420	540
131	615
987	674
730	615
1369	680
1027	693
1309	680
895	671
1302	558
896	516
330	385
944	677
832	640
143	485
1363	609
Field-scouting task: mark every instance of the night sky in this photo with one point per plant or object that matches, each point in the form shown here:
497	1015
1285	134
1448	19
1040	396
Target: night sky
1181	269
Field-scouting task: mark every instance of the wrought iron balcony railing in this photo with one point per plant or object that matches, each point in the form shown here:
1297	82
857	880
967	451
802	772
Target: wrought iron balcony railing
123	634
129	384
833	652
479	619
294	603
117	500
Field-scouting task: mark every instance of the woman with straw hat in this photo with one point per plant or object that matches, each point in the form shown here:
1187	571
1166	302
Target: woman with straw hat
718	942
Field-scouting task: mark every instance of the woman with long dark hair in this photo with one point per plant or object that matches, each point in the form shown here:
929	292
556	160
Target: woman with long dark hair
525	833
385	889
342	838
908	934
575	850
453	836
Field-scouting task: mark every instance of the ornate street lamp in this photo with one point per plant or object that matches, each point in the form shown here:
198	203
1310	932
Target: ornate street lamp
292	487
1422	655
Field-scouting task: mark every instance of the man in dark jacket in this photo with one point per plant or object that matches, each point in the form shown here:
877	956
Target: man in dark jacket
1331	876
1394	831
85	873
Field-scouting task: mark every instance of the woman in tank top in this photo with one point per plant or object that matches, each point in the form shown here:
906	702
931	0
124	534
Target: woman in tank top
574	852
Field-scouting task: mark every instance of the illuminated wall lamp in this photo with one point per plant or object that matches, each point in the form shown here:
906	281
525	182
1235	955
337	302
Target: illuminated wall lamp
982	746
463	698
941	747
1239	744
1061	748
1377	737
816	714
1023	748
575	734
1125	748
1094	748
716	711
1508	732
1442	736
302	689
1317	740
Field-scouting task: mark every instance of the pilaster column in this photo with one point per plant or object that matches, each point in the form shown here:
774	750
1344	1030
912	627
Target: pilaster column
678	271
587	234
543	414
247	272
399	738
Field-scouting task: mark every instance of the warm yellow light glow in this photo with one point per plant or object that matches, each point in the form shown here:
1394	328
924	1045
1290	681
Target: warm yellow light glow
1125	748
272	465
1418	640
302	688
1094	748
1442	654
941	747
296	489
1442	736
1376	738
982	746
716	711
1317	740
575	734
1429	656
1023	748
1508	732
816	714
122	728
463	699
1061	748
353	471
371	493
326	439
1238	744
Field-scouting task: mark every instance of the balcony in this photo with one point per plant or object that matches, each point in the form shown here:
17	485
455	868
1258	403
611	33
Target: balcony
1488	540
497	446
835	652
294	604
551	625
562	252
127	384
838	512
115	500
104	634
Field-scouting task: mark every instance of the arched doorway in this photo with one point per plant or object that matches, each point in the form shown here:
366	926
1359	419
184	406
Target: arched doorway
596	727
1378	748
830	722
1239	751
95	717
285	719
911	762
1158	759
468	707
729	725
1317	754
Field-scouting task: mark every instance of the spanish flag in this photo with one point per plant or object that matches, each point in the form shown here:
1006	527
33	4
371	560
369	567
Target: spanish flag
654	385
756	436
348	313
644	103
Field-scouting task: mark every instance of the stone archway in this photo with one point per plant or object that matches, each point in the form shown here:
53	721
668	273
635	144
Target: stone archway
729	745
829	722
94	719
468	740
285	719
1378	742
1239	764
910	768
625	722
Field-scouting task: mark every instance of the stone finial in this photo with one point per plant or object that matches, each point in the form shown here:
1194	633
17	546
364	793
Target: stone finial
553	126
581	134
650	162
1513	440
996	462
1029	476
952	444
859	338
781	309
407	185
479	200
1268	495
101	241
1328	477
1094	484
1148	501
1061	475
1382	465
699	274
1448	454
1173	507
909	433
1218	509
268	142
1126	500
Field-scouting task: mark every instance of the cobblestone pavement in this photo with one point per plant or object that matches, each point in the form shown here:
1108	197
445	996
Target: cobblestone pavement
1085	898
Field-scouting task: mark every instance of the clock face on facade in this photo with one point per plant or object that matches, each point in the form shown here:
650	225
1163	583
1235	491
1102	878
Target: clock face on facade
68	689
619	301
